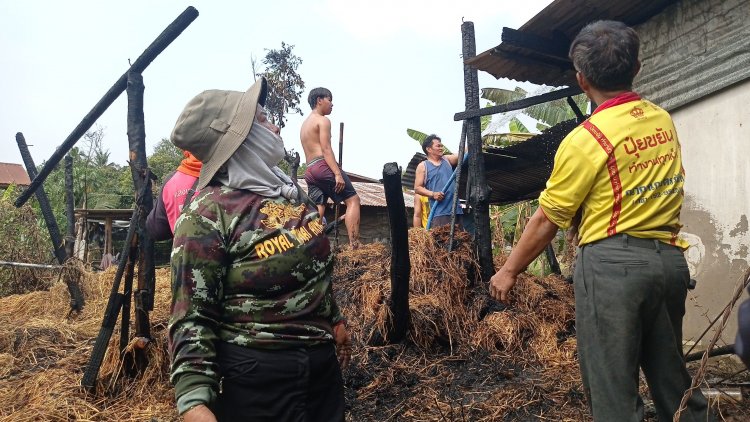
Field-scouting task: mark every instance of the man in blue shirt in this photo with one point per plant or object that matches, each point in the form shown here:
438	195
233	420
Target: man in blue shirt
432	177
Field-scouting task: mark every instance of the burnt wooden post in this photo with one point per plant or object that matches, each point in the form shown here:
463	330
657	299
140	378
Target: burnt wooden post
70	236
293	167
76	296
341	168
144	292
141	63
549	252
107	236
41	196
479	194
400	264
129	362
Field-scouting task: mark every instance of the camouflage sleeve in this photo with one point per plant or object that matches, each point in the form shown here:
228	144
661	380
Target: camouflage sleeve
336	315
328	308
198	269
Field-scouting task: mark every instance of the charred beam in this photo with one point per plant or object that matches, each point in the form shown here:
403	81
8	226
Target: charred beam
479	195
718	351
146	279
70	234
577	111
41	196
400	264
517	105
152	51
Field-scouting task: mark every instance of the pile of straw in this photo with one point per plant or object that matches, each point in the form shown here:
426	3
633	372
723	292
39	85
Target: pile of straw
463	359
44	351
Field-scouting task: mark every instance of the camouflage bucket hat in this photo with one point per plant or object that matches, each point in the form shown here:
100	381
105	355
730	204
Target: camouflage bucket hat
215	123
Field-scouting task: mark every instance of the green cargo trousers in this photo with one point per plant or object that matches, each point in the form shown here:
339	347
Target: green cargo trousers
630	301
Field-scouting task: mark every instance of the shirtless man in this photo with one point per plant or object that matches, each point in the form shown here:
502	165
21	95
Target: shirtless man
323	176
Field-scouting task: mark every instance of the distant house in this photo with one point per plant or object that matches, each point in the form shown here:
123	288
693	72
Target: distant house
374	225
13	174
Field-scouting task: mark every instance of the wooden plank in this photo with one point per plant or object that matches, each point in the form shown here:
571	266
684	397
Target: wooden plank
517	105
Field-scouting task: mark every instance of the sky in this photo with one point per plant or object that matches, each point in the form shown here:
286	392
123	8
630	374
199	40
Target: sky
391	65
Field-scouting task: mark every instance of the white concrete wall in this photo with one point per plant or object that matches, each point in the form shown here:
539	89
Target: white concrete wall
715	137
696	64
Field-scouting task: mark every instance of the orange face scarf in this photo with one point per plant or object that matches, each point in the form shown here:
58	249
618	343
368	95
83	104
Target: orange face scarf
190	165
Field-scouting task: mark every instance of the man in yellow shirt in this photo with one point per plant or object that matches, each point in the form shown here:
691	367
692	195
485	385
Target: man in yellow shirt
421	211
622	170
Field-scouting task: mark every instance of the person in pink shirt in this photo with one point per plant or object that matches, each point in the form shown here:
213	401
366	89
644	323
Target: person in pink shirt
162	218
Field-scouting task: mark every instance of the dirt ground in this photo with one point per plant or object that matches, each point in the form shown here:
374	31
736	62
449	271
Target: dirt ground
462	360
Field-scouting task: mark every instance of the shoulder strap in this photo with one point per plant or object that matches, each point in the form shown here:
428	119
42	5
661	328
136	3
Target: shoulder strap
190	194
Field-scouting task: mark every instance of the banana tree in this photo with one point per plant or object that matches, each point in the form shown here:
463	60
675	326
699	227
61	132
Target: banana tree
546	114
420	137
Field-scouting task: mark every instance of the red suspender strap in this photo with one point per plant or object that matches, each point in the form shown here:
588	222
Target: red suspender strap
614	174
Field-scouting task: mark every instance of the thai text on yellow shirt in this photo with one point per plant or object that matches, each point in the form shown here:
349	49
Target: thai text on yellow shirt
623	168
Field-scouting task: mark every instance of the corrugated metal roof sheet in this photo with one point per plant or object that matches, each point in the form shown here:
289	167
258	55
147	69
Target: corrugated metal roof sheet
11	173
518	178
407	179
370	194
359	178
559	23
693	49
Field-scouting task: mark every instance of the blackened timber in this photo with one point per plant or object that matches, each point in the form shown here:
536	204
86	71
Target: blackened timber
518	105
72	275
554	265
556	48
127	294
114	304
400	264
70	233
718	351
41	196
479	195
141	63
144	293
577	111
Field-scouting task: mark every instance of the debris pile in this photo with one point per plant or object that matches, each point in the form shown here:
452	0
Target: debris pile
465	358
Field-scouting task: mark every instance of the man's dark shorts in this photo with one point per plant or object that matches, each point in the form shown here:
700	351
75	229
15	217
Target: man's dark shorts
321	183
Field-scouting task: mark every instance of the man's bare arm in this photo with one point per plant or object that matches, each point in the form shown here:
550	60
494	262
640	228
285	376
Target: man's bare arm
539	232
417	220
324	133
452	158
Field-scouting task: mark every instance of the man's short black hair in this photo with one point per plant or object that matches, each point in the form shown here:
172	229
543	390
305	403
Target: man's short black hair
316	93
606	53
428	142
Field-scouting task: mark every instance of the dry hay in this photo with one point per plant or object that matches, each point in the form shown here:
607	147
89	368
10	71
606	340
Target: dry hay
44	351
456	364
515	364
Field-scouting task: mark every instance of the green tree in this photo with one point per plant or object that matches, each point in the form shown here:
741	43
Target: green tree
165	159
285	85
420	137
97	183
